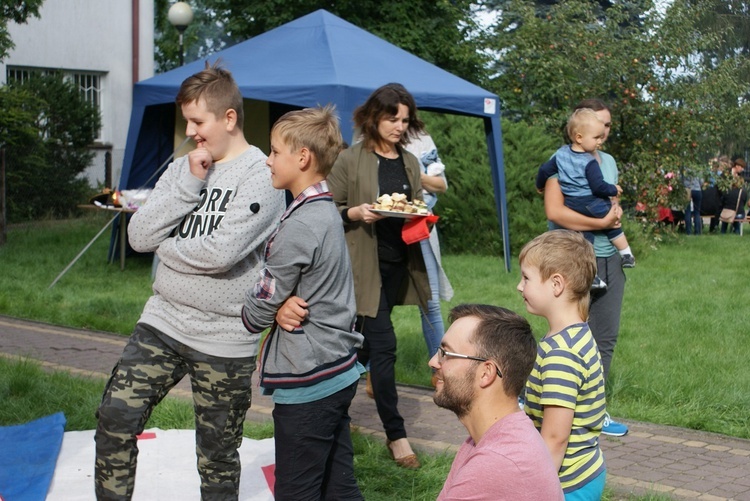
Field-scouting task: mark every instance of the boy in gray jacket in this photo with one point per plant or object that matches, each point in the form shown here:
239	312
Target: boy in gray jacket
207	220
311	370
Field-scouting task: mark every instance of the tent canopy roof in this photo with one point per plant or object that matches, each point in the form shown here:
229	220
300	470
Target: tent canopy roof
314	60
320	58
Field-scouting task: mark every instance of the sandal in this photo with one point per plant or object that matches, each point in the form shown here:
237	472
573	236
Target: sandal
409	462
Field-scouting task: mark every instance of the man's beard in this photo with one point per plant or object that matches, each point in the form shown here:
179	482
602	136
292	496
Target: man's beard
456	395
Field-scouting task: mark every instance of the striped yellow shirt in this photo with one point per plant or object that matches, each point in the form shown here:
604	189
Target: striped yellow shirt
568	373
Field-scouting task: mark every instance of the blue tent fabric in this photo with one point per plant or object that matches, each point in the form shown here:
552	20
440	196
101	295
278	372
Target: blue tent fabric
28	456
319	59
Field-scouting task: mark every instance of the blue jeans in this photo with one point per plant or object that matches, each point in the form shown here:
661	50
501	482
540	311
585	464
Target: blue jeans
693	220
432	319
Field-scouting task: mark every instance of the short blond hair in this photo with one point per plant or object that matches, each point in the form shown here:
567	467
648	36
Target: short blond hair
217	87
579	119
566	253
316	129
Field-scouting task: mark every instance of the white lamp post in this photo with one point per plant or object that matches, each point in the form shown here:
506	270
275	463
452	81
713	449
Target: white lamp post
180	15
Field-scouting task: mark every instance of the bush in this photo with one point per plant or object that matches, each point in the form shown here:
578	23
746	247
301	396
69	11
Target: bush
47	147
468	218
526	148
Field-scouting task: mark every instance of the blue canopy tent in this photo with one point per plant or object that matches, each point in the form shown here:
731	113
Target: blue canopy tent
316	59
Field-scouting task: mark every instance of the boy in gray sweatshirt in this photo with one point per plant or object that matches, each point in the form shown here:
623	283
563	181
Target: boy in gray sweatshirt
207	220
311	369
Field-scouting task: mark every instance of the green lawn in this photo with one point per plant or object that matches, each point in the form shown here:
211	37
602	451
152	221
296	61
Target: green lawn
680	359
28	392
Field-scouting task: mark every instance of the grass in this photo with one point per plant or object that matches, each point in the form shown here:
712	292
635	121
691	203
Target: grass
680	359
28	392
681	355
93	294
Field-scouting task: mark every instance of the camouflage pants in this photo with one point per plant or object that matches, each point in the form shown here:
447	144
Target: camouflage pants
152	364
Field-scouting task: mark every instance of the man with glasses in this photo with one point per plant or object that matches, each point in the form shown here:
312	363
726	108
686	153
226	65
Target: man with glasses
481	366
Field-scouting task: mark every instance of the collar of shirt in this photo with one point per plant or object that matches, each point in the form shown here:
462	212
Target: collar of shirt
316	191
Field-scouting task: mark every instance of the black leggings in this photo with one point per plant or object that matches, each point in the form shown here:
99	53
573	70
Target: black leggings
379	350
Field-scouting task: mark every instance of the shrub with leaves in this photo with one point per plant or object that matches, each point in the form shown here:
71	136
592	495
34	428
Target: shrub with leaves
653	190
467	210
675	78
47	146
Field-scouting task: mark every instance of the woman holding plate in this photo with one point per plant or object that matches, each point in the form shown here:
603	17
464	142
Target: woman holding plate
387	271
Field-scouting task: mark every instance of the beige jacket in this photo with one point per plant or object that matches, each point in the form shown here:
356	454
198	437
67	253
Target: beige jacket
354	181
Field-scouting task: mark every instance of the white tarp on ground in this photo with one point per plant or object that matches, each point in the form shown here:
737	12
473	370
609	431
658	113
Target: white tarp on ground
166	468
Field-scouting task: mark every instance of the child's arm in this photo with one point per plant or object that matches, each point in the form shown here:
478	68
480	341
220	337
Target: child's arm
547	170
292	313
599	187
558	213
237	232
293	250
557	423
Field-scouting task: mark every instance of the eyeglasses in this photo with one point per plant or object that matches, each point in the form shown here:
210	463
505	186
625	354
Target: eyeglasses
442	354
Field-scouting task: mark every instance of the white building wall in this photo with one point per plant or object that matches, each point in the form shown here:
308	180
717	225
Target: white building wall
96	36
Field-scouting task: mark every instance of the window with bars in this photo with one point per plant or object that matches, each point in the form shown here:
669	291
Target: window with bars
89	83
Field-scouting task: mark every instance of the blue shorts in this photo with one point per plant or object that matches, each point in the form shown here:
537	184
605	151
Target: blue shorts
590	492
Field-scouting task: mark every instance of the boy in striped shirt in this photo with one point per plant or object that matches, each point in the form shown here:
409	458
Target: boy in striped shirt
565	391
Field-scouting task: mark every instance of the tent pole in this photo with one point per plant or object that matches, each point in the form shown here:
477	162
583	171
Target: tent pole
82	252
164	164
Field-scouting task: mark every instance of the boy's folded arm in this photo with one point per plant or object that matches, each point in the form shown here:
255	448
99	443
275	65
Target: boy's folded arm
292	313
599	187
558	213
546	170
557	424
238	228
175	195
292	251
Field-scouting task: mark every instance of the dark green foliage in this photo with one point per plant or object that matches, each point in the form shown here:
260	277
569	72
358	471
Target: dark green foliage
526	148
42	168
673	77
469	221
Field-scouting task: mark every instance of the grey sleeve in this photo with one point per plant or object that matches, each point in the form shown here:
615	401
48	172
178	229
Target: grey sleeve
240	232
175	195
292	253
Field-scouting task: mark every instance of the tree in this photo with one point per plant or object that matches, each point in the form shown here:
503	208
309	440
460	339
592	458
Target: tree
48	128
668	105
443	32
17	12
718	56
468	217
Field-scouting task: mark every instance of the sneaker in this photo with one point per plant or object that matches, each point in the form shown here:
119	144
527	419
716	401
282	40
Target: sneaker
628	261
613	428
598	283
